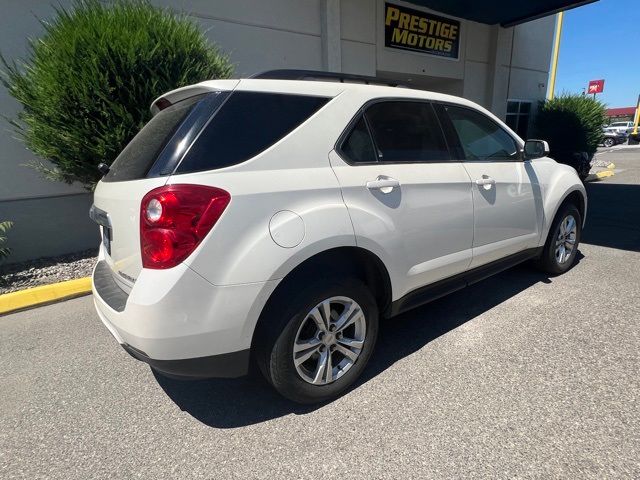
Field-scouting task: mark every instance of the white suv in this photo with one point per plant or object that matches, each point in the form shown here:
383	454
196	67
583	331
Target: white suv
273	222
621	127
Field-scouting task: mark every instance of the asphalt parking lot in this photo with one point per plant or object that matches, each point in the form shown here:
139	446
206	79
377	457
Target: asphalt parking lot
518	376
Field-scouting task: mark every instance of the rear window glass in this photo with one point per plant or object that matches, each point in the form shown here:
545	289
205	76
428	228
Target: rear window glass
140	154
247	124
358	146
407	132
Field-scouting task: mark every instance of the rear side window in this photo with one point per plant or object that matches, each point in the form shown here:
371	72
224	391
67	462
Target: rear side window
480	137
247	124
140	154
407	132
357	145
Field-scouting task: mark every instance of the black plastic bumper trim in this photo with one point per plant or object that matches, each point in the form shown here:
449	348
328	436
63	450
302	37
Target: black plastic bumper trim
444	287
107	288
226	365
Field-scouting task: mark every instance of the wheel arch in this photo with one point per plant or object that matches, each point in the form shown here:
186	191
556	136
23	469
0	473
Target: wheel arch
343	261
573	195
579	200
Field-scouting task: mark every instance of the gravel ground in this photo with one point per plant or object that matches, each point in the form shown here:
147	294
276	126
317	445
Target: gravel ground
599	163
46	270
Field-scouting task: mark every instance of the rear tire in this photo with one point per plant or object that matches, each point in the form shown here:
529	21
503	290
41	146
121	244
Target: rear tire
309	356
562	243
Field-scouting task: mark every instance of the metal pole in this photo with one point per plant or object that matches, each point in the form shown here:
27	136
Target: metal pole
554	59
636	118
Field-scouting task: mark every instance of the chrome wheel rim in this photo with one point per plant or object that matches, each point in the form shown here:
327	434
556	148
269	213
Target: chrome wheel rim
329	340
566	239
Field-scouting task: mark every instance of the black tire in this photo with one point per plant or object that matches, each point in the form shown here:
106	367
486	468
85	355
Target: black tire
609	142
279	328
548	261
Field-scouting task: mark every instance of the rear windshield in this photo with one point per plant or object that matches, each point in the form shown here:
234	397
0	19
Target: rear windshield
140	154
247	124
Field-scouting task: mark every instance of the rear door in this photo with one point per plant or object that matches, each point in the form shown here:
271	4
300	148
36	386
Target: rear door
505	187
409	203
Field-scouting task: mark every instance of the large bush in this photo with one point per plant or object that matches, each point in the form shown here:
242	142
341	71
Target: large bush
571	124
87	84
4	228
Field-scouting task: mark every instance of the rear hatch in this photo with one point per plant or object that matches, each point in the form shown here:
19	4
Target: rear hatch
191	131
145	164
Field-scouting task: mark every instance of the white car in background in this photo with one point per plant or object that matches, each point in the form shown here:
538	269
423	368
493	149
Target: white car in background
620	127
275	221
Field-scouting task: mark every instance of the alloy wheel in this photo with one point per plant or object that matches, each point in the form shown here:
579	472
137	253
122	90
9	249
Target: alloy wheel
566	239
329	340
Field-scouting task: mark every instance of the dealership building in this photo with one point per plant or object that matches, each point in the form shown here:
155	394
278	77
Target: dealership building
496	53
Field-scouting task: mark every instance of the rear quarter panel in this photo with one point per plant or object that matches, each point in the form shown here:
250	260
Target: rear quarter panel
293	175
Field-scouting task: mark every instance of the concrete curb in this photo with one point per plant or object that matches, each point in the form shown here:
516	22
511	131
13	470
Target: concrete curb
33	297
599	175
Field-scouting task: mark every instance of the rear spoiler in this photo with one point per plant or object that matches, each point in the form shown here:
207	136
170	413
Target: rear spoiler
179	94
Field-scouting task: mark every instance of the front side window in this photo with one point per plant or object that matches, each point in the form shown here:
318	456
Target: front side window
245	125
406	132
480	137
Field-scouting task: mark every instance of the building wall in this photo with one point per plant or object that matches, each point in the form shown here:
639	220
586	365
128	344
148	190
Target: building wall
50	218
260	35
341	35
296	35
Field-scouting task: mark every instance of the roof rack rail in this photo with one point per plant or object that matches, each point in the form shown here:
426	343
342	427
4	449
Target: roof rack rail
287	74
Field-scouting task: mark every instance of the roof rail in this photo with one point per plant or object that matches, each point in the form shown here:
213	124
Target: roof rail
287	74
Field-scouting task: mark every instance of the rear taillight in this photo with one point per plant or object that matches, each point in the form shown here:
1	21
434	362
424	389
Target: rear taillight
174	219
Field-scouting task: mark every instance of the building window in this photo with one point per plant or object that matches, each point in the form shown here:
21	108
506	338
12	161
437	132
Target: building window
518	114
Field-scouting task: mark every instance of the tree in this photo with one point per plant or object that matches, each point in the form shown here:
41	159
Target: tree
4	228
87	84
572	124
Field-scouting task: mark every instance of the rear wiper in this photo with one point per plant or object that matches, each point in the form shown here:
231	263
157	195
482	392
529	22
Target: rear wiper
103	168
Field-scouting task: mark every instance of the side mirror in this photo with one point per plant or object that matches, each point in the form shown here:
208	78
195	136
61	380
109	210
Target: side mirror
535	149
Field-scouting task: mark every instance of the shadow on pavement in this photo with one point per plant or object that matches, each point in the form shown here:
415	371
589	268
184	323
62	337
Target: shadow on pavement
613	216
235	403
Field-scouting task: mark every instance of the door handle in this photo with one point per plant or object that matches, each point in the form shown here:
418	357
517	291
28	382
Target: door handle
486	182
384	184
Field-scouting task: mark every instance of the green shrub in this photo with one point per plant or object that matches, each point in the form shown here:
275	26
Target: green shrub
87	84
4	228
571	124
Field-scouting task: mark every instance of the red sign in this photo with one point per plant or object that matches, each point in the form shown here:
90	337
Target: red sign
596	86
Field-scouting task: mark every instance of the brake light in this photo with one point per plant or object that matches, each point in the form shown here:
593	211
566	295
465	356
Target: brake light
174	219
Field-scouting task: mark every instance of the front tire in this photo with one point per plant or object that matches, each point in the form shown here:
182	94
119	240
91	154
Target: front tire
609	142
317	341
562	243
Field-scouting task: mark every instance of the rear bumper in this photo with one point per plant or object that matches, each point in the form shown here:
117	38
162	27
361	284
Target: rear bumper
179	323
226	365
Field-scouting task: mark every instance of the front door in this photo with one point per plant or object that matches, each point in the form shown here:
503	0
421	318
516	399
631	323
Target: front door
505	188
409	203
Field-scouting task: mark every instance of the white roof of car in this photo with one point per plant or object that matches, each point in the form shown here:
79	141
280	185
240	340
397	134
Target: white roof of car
310	87
319	88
